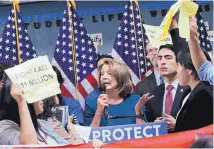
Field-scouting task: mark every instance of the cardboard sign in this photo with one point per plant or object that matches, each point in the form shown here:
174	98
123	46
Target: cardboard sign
36	77
122	132
97	39
152	33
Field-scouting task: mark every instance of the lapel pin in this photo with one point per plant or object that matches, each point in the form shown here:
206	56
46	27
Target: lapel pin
181	90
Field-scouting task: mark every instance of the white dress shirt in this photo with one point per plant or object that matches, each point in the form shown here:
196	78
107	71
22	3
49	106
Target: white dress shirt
157	77
175	86
184	101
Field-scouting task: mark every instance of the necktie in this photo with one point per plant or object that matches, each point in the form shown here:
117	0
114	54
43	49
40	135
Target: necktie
168	100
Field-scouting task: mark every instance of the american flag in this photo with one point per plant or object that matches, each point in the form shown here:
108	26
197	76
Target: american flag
85	58
203	36
8	44
130	43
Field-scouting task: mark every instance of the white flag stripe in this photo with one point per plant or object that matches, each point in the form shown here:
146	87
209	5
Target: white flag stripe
87	86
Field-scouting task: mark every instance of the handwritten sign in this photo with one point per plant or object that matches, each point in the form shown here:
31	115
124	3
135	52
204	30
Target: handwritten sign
122	132
36	77
97	39
152	32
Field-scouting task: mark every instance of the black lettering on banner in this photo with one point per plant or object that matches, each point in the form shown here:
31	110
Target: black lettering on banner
94	19
153	13
207	7
110	17
58	22
48	24
26	25
163	12
120	16
102	18
37	25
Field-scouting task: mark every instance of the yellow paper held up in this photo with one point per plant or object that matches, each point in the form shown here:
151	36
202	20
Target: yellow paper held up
152	32
165	24
36	77
187	9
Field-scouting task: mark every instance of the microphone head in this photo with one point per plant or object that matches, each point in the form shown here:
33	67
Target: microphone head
102	88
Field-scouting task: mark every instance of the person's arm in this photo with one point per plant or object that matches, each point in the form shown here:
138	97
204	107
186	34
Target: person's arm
196	53
178	42
27	131
138	108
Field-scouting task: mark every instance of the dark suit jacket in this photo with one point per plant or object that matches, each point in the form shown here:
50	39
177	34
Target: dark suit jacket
198	109
154	107
147	85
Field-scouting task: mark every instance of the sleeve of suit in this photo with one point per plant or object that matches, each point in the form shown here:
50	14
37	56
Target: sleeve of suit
149	112
178	42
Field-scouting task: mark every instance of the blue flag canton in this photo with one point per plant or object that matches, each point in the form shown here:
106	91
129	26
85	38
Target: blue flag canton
131	40
203	35
85	51
8	44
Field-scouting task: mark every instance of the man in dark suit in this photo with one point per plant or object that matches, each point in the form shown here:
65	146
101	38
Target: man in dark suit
167	96
154	79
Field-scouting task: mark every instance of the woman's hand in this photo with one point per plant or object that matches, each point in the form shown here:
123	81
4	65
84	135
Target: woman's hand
96	143
102	102
141	102
170	121
17	93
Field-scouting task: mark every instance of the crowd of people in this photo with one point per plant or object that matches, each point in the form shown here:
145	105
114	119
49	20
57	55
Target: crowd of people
179	91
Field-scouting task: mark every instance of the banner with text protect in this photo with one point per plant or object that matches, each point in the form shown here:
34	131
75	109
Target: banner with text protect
36	77
122	132
152	33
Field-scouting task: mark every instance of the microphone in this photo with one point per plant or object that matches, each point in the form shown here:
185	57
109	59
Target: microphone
103	91
141	116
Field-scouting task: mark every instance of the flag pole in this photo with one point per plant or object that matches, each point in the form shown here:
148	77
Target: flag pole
138	62
144	48
16	7
73	44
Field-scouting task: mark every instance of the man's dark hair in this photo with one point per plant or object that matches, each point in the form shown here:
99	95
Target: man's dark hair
59	76
104	56
184	58
203	142
168	46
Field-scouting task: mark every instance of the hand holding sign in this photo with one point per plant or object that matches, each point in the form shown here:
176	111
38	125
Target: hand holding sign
36	77
17	93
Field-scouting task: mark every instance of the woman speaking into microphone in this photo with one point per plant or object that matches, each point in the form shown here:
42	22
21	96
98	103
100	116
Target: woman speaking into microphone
116	101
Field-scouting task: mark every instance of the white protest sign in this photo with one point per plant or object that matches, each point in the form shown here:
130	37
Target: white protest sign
97	39
36	77
152	32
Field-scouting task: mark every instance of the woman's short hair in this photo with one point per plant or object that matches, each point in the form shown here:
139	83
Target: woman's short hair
121	74
184	58
9	108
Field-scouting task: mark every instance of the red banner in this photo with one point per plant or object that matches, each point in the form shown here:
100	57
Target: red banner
173	140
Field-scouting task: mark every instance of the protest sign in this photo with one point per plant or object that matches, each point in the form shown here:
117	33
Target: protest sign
152	33
122	132
97	39
36	77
